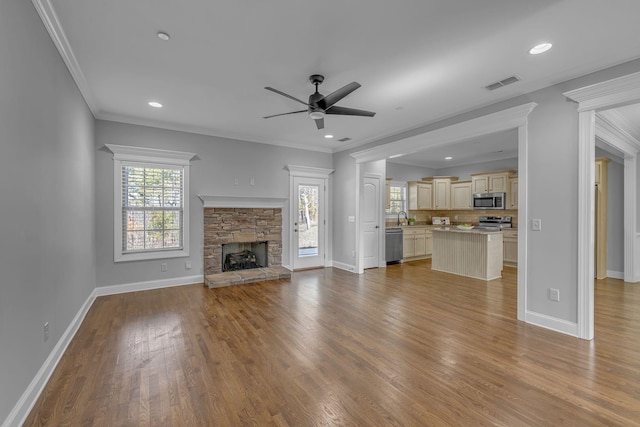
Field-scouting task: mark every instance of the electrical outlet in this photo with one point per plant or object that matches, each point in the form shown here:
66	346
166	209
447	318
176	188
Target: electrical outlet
187	265
554	294
536	224
353	254
163	267
46	331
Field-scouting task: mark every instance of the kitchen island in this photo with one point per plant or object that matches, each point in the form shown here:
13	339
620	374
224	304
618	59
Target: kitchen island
471	253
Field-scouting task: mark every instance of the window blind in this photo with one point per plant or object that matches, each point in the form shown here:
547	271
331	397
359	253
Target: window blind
152	208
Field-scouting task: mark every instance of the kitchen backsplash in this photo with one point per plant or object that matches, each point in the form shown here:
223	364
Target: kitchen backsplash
457	217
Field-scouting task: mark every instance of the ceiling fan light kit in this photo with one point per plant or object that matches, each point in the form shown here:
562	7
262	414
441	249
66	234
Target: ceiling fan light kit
319	105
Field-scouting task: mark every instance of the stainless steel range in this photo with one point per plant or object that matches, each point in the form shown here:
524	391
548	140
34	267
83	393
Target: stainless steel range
494	222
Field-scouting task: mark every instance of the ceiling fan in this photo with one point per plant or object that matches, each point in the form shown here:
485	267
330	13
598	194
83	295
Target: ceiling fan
319	105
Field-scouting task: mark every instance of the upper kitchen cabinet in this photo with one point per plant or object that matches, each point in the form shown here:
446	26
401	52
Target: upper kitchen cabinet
420	195
461	195
491	182
388	194
441	190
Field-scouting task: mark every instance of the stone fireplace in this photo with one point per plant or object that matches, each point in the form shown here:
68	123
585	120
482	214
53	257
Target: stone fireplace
241	228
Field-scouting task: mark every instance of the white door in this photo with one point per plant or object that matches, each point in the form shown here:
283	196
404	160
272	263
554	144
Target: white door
371	221
309	223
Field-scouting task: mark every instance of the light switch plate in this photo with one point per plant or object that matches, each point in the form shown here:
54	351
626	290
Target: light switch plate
536	224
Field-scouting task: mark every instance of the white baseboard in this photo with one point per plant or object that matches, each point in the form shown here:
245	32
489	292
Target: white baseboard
145	286
343	266
21	410
615	274
553	323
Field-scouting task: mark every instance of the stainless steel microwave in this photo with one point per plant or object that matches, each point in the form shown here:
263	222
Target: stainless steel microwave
489	200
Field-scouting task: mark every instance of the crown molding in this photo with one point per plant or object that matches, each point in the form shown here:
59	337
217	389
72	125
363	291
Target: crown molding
52	24
607	94
611	133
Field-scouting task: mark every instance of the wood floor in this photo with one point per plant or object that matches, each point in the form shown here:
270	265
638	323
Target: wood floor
401	346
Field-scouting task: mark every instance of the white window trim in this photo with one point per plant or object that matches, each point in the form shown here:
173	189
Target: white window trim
126	154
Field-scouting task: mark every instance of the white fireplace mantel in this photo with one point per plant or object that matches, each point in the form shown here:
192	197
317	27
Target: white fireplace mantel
241	202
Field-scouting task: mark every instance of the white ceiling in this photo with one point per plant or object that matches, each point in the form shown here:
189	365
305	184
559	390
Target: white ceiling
497	146
418	60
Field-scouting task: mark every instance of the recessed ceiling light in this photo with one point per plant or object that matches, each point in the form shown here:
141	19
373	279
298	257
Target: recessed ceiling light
155	104
328	136
448	158
163	36
541	48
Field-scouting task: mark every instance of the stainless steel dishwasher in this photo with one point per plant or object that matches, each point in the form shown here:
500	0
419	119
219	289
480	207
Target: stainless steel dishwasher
393	245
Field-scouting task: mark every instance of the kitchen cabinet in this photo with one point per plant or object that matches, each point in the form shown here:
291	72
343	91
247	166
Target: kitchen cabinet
461	195
491	182
441	191
428	243
420	195
510	247
415	243
512	198
388	193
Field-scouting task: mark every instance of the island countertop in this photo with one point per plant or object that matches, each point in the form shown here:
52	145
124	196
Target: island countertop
454	229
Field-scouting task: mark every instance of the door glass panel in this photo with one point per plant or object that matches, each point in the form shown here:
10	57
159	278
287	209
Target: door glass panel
307	220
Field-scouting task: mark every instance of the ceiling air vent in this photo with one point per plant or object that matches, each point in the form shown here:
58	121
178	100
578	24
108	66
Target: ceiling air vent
503	82
344	139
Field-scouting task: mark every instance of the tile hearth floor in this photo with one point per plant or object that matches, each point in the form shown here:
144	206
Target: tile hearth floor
241	277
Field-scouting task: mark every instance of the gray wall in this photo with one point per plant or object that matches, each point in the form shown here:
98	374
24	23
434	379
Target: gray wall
213	173
344	205
47	203
462	172
400	172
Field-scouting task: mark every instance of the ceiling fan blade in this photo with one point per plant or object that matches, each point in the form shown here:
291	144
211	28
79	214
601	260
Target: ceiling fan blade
287	95
349	112
284	114
320	123
337	95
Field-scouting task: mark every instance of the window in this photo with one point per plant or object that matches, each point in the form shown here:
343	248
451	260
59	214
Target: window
397	198
151	203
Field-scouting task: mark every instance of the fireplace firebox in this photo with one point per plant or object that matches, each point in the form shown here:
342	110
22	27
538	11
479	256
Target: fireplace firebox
244	255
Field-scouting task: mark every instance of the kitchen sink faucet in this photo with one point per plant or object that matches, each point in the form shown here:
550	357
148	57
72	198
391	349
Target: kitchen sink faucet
405	216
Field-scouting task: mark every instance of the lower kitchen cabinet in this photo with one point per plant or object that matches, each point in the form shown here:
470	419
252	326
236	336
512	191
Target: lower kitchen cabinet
510	247
416	243
429	242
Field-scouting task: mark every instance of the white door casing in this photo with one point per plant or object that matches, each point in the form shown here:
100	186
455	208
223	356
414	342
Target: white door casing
315	179
591	99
